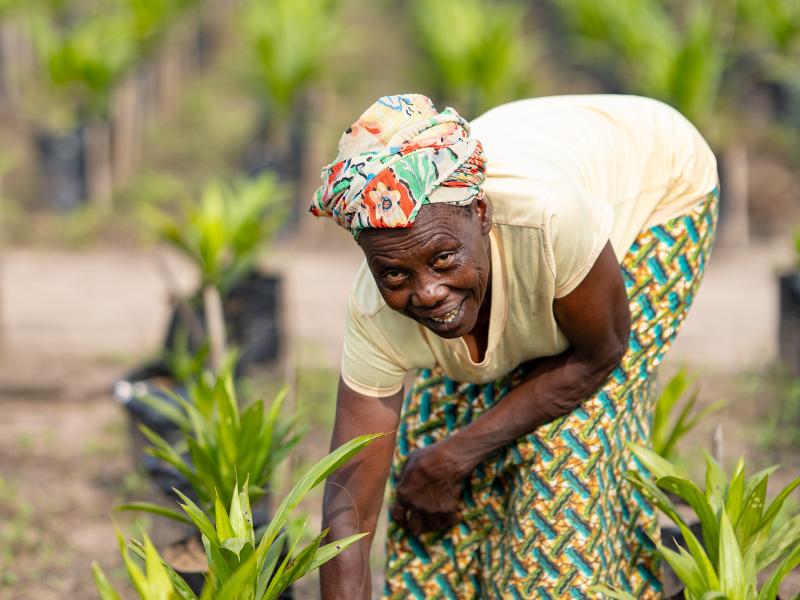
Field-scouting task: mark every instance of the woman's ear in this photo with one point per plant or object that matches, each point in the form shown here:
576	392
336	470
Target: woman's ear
484	210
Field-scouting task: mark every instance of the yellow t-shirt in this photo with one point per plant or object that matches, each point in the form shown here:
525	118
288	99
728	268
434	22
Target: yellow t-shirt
565	174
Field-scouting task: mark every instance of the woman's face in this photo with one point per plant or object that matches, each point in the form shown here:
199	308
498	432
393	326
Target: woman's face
436	272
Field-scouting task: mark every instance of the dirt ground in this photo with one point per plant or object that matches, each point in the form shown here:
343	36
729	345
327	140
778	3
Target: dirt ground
72	322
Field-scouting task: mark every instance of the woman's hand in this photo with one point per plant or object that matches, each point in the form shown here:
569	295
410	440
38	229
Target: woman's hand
429	491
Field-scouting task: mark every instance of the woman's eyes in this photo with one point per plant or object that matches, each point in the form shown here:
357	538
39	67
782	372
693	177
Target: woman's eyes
393	276
444	260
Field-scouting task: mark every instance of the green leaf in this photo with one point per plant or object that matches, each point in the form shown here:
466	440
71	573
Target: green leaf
104	587
701	559
611	593
695	498
734	497
731	563
770	589
166	409
776	505
652	492
159	583
298	565
655	464
313	477
333	549
778	543
751	512
685	568
270	562
135	574
240	580
201	521
156	509
224	527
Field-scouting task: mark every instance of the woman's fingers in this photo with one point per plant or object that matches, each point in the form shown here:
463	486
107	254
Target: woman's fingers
400	514
417	521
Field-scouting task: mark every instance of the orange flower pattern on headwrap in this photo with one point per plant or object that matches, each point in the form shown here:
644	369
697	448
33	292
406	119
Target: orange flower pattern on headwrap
400	155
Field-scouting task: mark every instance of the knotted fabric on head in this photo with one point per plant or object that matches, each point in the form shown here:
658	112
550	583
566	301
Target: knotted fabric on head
400	155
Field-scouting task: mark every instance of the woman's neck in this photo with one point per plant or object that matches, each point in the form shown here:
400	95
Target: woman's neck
477	340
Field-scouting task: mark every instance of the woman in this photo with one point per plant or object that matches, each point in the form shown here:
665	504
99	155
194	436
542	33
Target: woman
531	269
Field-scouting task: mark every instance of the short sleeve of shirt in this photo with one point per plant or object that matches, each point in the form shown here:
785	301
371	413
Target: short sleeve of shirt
576	231
368	366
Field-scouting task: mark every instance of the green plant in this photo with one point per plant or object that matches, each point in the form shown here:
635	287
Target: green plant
290	42
740	540
239	565
225	229
676	52
85	60
476	52
224	442
665	434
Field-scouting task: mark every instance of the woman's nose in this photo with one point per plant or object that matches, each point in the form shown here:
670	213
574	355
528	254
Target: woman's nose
429	293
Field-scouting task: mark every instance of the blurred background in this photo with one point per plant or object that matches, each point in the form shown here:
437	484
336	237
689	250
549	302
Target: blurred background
156	161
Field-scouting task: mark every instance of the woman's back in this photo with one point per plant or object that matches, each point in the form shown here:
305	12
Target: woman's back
637	154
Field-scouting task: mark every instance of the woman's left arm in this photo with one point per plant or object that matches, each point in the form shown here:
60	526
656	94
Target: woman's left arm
596	320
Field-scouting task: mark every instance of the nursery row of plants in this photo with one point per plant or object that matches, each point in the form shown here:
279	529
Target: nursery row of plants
91	72
738	544
90	77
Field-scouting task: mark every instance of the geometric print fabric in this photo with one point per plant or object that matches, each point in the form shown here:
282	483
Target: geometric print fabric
551	515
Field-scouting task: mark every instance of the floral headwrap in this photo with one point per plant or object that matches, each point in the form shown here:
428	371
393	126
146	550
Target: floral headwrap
398	156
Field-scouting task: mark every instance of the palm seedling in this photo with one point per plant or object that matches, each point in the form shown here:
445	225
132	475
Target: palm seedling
650	50
224	442
667	432
240	566
739	536
290	46
476	52
222	234
290	42
771	32
225	229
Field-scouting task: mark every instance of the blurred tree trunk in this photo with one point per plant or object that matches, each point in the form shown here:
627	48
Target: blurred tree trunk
98	163
168	73
734	221
126	129
16	58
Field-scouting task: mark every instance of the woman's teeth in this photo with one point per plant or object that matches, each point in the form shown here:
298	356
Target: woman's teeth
447	318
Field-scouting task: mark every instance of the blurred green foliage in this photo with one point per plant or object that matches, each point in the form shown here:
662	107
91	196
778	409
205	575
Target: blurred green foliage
476	52
676	52
670	426
86	48
290	43
223	232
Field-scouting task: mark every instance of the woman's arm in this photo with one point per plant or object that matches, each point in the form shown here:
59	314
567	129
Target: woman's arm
596	320
354	494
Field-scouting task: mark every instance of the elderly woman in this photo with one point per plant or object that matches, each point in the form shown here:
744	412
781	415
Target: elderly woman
531	269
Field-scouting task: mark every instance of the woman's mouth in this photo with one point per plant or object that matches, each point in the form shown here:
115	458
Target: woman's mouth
447	317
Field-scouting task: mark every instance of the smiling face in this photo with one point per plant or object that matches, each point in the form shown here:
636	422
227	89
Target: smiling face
436	272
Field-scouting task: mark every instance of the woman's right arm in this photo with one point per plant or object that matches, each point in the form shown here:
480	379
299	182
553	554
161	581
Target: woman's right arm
354	493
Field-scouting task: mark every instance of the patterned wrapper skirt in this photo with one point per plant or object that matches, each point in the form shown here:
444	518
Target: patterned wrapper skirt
551	515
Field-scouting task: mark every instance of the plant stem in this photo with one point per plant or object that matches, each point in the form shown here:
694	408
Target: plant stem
215	324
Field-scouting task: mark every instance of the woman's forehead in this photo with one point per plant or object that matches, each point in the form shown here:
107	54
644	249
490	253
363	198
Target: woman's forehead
435	224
